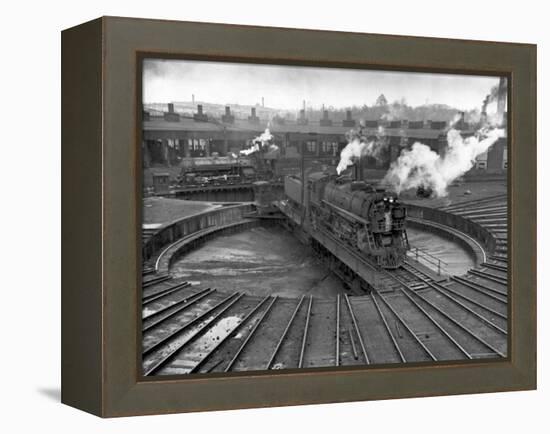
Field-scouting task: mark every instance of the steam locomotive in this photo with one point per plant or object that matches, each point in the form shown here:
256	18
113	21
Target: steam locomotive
215	171
370	220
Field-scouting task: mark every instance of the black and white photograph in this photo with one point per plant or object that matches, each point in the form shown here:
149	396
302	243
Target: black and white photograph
300	217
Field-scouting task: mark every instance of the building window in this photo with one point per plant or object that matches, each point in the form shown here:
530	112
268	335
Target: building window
311	146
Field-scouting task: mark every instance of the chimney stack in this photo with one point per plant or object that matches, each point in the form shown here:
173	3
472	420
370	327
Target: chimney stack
171	115
253	119
348	122
228	118
302	120
325	121
200	116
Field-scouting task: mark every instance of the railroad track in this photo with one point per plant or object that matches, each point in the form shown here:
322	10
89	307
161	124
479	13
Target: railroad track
411	318
455	319
491	213
187	329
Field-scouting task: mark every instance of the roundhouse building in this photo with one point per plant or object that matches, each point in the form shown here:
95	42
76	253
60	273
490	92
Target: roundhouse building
169	137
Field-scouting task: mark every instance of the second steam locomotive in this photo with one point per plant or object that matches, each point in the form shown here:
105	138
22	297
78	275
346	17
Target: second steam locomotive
370	220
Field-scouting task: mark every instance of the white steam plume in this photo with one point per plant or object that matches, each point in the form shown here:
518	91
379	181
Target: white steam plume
360	146
260	142
420	166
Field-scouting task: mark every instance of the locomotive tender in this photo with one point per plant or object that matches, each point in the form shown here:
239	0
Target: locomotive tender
370	220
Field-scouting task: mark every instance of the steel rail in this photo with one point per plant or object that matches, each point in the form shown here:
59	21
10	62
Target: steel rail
475	302
488	276
468	284
504	277
418	273
434	322
402	321
214	366
243	345
489	212
153	297
176	303
230	334
183	304
495	267
436	287
185	326
287	328
353	347
457	323
467	204
460	325
145	271
479	285
392	337
304	338
162	362
359	336
497	200
499	258
155	280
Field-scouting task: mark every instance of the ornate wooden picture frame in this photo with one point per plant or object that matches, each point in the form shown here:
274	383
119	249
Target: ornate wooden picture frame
102	251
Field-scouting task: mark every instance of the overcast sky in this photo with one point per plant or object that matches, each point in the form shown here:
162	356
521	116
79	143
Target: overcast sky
285	87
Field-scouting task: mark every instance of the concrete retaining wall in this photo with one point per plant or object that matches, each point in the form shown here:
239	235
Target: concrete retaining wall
171	253
172	232
475	230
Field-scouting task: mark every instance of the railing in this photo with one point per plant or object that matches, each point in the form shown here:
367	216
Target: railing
424	255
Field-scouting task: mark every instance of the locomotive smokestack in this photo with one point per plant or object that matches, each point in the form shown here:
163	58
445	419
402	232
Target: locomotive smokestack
358	170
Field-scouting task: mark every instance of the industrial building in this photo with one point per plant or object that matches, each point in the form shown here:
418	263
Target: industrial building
170	136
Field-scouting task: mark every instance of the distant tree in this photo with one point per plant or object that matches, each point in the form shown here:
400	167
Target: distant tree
381	101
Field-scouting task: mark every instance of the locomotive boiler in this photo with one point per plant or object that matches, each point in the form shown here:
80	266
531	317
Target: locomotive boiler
370	220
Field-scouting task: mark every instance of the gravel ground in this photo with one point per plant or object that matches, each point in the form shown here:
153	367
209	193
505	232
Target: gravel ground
260	261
